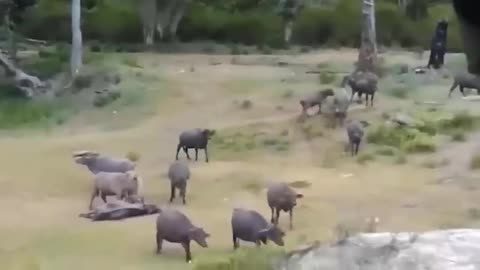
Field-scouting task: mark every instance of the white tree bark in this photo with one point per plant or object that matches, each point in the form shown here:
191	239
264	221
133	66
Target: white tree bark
76	51
288	28
148	14
368	49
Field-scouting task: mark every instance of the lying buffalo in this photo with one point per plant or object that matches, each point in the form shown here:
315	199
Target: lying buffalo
120	210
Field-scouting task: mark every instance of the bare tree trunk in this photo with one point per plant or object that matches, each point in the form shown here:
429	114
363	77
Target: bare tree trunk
176	17
368	49
76	51
148	14
11	38
288	28
165	11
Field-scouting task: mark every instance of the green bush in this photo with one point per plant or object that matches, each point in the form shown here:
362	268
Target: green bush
475	162
326	77
407	139
241	259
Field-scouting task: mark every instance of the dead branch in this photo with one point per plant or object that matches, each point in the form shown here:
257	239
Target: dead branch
28	84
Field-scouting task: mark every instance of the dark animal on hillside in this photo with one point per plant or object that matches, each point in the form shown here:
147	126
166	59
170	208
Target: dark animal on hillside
174	227
96	162
469	22
465	80
281	197
121	210
438	45
178	173
355	135
315	99
251	226
194	138
122	185
362	83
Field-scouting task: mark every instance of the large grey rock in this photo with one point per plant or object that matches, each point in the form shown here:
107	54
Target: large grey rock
457	249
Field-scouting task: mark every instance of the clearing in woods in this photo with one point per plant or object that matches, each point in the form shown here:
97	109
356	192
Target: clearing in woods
43	190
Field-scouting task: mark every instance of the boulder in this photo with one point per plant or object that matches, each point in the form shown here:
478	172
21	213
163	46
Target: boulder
455	249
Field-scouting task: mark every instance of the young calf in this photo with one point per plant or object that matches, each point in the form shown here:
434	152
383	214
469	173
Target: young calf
315	99
173	226
178	173
281	197
465	80
355	135
122	185
250	226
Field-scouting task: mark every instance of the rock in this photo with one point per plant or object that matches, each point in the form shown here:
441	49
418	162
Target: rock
455	249
403	120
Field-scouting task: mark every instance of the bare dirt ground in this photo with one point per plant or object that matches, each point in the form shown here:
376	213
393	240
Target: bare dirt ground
43	191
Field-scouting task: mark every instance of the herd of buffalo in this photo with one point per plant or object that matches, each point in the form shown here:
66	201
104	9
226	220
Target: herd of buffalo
117	176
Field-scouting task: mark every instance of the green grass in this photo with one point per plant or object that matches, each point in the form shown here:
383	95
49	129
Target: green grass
241	259
407	139
326	77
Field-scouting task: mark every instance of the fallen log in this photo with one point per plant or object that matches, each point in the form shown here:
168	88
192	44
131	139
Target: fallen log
24	82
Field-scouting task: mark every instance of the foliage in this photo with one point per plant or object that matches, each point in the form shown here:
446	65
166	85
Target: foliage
241	259
251	22
475	162
407	139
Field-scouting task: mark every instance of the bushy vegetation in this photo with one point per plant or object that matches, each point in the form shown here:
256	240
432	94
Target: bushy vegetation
246	22
407	139
241	259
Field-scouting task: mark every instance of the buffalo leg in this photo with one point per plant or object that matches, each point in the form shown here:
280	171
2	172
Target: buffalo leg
235	241
357	145
351	97
277	215
454	85
188	255
159	243
206	153
372	95
272	220
104	197
291	218
185	149
366	100
172	192
183	191
462	90
178	150
92	197
196	154
352	146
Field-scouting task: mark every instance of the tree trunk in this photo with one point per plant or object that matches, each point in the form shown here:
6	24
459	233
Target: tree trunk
368	49
76	51
148	14
26	83
165	14
288	27
176	17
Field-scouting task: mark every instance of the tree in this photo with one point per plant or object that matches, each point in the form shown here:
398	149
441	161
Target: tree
417	9
76	51
28	84
367	56
289	10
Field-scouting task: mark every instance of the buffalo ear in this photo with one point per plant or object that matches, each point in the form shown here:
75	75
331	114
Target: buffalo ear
299	195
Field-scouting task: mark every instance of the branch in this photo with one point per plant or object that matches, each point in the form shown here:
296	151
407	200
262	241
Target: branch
28	84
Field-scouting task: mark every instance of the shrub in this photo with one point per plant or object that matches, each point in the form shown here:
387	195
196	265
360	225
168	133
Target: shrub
460	121
326	77
364	157
241	259
133	156
407	139
475	162
399	92
385	151
458	136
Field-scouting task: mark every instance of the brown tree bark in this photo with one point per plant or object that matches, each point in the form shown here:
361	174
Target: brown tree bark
367	56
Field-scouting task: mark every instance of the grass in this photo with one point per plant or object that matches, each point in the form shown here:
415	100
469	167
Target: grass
242	259
475	162
365	157
326	77
406	139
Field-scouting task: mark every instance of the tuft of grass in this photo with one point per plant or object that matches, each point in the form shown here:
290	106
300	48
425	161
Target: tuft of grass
385	151
326	77
460	121
300	184
311	131
132	62
82	81
400	159
458	136
253	185
399	92
246	104
365	157
475	162
407	139
133	156
473	213
241	259
432	164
